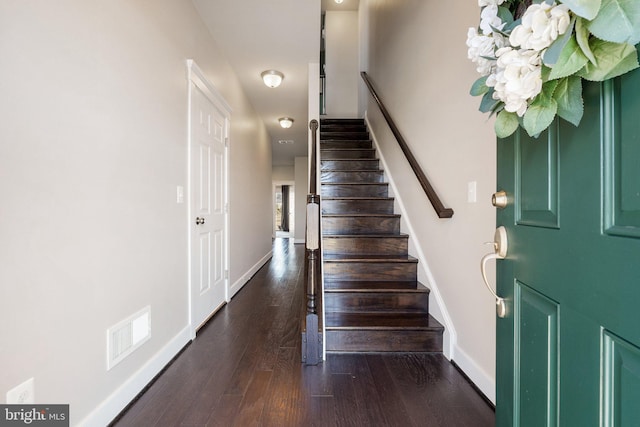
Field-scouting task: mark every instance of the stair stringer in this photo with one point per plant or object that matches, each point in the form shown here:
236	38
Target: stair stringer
437	307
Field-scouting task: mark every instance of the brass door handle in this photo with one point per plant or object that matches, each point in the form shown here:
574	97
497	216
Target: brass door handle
499	252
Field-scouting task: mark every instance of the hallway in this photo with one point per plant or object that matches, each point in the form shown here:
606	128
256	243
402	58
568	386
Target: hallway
244	369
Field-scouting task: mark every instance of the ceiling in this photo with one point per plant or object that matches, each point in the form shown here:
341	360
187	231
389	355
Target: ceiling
258	35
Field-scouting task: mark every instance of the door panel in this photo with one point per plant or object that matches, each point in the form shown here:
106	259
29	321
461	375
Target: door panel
568	349
537	179
536	338
621	145
621	381
208	194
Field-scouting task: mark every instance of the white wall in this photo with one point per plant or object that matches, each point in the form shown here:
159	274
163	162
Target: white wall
341	46
302	189
92	146
283	173
417	60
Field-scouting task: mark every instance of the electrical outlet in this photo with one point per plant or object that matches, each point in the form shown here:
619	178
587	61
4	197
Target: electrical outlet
23	394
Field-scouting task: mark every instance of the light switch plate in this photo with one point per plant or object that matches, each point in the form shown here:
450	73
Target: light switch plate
472	192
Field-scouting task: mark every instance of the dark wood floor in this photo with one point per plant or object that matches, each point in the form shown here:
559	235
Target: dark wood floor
244	369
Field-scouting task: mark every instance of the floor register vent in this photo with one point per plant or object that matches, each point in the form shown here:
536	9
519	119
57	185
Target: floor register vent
127	335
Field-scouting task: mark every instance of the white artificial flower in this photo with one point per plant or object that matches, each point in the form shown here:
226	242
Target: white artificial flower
517	78
489	19
483	3
481	48
541	25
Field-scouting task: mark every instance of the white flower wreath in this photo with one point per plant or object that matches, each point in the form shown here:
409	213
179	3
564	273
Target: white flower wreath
533	54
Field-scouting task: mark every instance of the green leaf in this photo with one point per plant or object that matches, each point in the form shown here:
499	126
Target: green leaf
506	124
570	61
582	37
614	59
568	95
505	15
618	21
542	110
479	87
588	9
545	72
553	52
488	103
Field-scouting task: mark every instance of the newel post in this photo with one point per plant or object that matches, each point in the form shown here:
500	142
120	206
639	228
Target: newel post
311	336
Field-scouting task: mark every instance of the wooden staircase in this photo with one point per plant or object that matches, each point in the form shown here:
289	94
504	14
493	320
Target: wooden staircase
373	301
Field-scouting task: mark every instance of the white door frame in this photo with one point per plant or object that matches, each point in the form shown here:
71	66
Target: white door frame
197	77
292	228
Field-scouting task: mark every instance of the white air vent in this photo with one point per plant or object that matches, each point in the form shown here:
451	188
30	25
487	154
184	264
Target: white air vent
126	336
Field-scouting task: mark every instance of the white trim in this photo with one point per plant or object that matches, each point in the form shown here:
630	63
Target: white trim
440	312
196	76
233	289
292	225
485	382
119	399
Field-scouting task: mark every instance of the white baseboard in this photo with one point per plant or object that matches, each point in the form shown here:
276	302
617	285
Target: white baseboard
480	378
118	400
233	289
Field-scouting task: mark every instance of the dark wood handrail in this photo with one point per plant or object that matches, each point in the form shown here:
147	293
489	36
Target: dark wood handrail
440	209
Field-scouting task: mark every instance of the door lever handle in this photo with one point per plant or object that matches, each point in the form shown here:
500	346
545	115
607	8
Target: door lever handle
500	252
199	221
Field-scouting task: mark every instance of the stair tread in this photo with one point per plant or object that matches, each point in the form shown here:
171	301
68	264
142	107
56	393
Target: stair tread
375	286
369	258
366	236
357	198
381	321
361	215
347	149
322	141
354	171
355	183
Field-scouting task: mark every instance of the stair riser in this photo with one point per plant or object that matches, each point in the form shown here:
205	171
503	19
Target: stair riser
348	154
388	340
395	246
343	128
343	190
361	225
351	176
355	302
345	144
357	206
381	271
329	121
350	165
344	135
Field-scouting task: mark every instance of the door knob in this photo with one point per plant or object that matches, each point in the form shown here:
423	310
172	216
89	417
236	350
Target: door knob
499	252
199	221
499	199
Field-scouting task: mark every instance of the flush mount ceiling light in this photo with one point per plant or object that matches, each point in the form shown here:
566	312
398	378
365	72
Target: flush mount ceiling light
272	78
339	1
286	122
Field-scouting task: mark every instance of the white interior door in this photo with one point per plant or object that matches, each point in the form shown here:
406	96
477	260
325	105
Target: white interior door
208	199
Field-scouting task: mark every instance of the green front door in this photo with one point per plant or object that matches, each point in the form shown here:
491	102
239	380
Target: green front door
568	349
